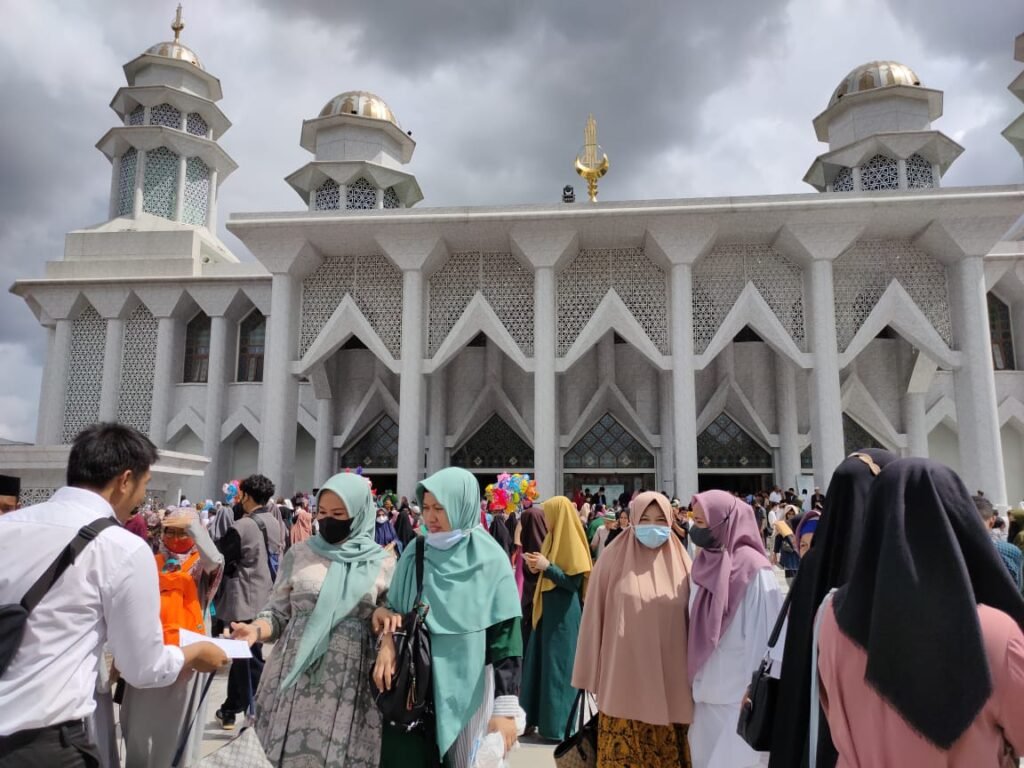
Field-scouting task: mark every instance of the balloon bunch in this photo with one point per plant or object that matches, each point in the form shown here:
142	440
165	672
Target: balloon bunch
230	492
510	491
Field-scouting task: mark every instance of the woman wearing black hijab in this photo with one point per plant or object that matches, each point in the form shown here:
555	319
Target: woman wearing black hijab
499	530
403	526
826	565
921	652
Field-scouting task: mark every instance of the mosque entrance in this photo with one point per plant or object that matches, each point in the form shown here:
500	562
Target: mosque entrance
741	483
608	455
729	459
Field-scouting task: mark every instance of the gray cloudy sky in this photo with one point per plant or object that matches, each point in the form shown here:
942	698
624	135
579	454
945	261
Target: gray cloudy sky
692	99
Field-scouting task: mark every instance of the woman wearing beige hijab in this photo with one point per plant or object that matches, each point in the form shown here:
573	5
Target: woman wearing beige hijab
632	643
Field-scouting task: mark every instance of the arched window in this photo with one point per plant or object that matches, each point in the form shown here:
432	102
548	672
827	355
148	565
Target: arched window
195	124
1002	336
608	445
328	196
361	195
160	187
126	181
494	446
391	198
377	449
843	182
726	445
880	172
197	349
166	115
252	338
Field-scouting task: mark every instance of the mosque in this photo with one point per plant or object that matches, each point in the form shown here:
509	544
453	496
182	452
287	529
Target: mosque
673	344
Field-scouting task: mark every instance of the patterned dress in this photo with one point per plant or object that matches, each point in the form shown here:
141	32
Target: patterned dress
328	718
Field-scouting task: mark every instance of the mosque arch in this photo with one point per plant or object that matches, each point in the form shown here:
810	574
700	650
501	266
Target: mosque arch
724	444
494	446
376	448
608	445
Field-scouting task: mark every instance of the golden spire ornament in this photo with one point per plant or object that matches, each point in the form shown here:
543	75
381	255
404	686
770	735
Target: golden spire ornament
591	162
177	25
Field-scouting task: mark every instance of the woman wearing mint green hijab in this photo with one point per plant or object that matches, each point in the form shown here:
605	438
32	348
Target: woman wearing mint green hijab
315	701
475	629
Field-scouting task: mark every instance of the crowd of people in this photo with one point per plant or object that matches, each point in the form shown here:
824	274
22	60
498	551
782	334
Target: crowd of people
901	636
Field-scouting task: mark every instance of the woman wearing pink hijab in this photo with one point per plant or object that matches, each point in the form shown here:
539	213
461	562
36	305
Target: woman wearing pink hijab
631	650
732	611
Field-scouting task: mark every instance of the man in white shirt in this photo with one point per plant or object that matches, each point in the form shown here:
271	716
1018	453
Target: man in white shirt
109	596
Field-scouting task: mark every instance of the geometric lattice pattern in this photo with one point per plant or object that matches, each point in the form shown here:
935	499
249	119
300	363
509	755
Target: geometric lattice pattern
720	277
137	115
1001	334
197	191
195	124
160	186
505	283
126	181
726	445
327	196
494	446
361	195
85	373
861	275
30	496
608	445
165	115
637	280
375	285
880	172
137	361
377	449
391	198
919	173
856	437
843	182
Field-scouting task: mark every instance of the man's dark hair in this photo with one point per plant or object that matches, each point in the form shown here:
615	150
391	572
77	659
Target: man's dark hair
103	451
984	507
258	487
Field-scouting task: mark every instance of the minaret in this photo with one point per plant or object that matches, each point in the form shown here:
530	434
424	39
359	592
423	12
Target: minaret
1014	132
165	156
878	125
359	153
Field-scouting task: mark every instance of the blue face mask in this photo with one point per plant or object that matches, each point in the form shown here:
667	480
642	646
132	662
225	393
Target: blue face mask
445	539
650	535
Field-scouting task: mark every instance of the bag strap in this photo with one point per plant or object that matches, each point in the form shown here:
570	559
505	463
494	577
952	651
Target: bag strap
263	530
812	741
773	638
180	751
421	554
577	706
64	560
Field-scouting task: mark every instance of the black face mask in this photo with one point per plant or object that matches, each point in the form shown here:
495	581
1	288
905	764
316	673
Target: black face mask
704	538
334	530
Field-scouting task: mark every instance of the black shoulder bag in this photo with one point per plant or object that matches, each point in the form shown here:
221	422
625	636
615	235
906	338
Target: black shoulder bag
757	715
14	616
409	704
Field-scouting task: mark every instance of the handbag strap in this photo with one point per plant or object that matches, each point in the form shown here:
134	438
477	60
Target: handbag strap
780	620
64	560
812	741
421	554
577	707
180	751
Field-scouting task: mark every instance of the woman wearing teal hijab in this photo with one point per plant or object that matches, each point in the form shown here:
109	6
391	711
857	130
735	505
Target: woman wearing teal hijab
315	703
474	623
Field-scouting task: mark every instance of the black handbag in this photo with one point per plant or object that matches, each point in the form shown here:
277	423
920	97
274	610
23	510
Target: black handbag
409	704
578	748
757	715
14	616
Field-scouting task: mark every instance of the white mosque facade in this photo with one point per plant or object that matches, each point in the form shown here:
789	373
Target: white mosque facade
672	344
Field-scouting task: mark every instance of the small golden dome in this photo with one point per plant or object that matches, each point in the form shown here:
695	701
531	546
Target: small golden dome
175	50
362	103
874	74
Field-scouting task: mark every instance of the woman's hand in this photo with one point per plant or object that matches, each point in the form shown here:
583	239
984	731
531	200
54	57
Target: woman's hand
537	562
384	668
248	632
506	726
385	621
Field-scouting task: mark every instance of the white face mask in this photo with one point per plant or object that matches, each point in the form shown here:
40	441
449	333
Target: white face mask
445	539
382	518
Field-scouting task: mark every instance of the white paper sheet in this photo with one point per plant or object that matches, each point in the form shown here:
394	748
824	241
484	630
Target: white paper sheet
235	649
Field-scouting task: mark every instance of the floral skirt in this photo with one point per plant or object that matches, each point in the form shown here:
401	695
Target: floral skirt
631	744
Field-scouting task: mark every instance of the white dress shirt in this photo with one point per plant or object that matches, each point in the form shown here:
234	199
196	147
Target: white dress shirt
109	596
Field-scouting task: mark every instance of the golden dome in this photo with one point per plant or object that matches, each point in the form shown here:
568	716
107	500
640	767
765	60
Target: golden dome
361	103
874	74
175	50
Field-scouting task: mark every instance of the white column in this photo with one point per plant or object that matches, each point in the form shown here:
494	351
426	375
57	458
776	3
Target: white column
977	415
380	198
901	173
115	186
280	386
684	394
915	422
324	462
179	194
856	182
211	204
438	420
666	465
164	378
789	434
545	392
825	401
936	175
217	373
410	401
50	427
111	369
140	179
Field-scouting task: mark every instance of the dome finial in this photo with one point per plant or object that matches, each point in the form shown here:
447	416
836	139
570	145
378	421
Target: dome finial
177	25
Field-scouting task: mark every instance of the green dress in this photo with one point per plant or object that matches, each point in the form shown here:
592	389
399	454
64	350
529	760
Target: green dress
547	672
402	749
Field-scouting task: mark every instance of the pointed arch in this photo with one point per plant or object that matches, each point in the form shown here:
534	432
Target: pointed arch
376	448
377	400
724	444
609	399
608	445
729	397
478	317
612	314
492	399
188	418
494	445
241	419
346	321
860	405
